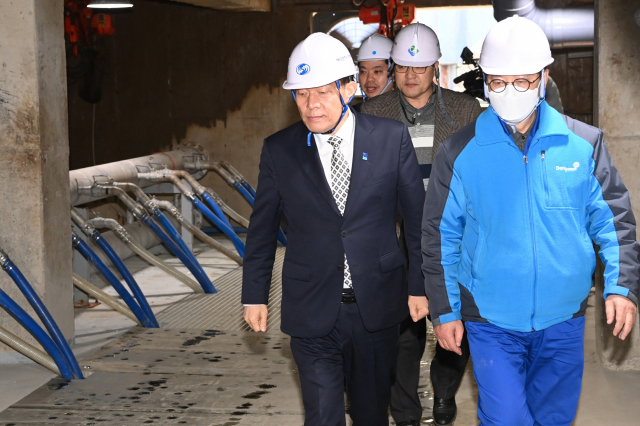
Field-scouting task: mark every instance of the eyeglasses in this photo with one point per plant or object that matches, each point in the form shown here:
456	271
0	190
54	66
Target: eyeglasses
417	70
520	84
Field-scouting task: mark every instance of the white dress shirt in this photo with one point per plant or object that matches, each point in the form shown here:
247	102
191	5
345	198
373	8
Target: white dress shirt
325	150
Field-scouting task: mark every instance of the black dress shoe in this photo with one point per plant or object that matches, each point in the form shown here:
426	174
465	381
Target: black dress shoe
444	411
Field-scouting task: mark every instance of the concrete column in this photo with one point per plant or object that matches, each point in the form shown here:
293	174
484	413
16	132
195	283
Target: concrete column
34	157
617	101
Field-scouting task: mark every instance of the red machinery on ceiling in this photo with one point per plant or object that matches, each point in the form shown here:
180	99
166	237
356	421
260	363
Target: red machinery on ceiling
87	57
391	15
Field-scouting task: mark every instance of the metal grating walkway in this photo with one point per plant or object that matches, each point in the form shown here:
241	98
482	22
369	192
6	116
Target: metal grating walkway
222	311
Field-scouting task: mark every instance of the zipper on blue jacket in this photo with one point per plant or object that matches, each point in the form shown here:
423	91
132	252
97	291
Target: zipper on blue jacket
533	240
544	177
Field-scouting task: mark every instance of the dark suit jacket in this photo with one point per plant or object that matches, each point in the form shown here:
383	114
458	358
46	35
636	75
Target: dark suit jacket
292	185
462	109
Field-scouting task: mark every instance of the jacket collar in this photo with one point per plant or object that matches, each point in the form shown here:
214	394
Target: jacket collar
490	130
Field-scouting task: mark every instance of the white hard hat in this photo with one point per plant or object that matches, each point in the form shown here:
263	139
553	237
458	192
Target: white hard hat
515	46
318	60
375	48
416	45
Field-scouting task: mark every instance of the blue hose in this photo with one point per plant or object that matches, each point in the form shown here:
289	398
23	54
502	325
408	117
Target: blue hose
241	189
237	242
44	315
217	231
173	233
43	338
126	275
202	278
216	209
249	188
250	194
87	252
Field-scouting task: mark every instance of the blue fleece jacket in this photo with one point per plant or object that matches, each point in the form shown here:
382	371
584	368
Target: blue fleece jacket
507	238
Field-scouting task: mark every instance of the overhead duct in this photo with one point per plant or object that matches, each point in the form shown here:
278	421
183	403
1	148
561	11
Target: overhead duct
127	171
572	26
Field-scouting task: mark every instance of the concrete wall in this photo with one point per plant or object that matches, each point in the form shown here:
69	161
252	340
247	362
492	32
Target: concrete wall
617	92
35	229
177	73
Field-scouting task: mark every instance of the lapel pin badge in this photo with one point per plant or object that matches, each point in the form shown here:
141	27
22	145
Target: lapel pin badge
364	156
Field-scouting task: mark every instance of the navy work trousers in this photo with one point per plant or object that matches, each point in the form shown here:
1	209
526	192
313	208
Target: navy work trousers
527	379
366	361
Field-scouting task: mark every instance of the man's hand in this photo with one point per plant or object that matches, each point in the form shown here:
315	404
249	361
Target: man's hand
449	335
256	317
624	311
418	307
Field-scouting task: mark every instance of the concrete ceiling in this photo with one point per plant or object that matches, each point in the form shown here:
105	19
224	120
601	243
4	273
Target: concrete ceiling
232	5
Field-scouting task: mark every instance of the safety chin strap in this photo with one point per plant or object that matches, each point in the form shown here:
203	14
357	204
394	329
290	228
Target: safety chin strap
345	107
445	114
542	93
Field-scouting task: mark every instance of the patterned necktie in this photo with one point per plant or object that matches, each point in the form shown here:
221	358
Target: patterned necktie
340	178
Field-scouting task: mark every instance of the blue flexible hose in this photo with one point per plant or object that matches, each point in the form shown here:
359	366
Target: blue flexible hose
241	189
126	275
43	338
87	252
217	231
249	188
237	242
202	278
216	209
173	233
44	315
250	194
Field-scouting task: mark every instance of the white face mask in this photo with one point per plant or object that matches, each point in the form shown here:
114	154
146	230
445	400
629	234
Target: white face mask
513	106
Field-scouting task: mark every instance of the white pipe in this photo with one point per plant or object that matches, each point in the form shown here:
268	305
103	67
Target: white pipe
28	350
562	26
127	171
111	301
154	260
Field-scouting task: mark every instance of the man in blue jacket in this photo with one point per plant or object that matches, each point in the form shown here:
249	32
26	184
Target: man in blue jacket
514	203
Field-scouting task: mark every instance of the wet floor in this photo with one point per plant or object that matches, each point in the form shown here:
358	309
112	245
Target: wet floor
203	368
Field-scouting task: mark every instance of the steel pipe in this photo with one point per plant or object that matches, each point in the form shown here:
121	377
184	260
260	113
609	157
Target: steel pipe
127	171
563	26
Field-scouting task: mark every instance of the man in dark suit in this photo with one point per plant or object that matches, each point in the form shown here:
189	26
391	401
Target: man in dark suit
337	178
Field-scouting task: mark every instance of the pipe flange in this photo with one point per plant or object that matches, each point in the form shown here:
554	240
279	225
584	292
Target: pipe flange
87	228
122	233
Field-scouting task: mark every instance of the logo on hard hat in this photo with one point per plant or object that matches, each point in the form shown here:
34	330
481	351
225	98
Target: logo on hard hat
303	69
413	50
374	52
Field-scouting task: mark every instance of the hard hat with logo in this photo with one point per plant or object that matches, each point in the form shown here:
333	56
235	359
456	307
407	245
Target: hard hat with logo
416	45
318	60
515	46
375	48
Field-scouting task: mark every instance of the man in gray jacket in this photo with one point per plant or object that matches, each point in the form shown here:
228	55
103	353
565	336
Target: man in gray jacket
432	114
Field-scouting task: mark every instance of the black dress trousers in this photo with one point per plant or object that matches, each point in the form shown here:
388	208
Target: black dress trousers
350	354
447	370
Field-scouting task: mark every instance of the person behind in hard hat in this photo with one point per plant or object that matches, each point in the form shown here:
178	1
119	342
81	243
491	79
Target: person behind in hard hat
515	203
375	67
337	178
432	114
